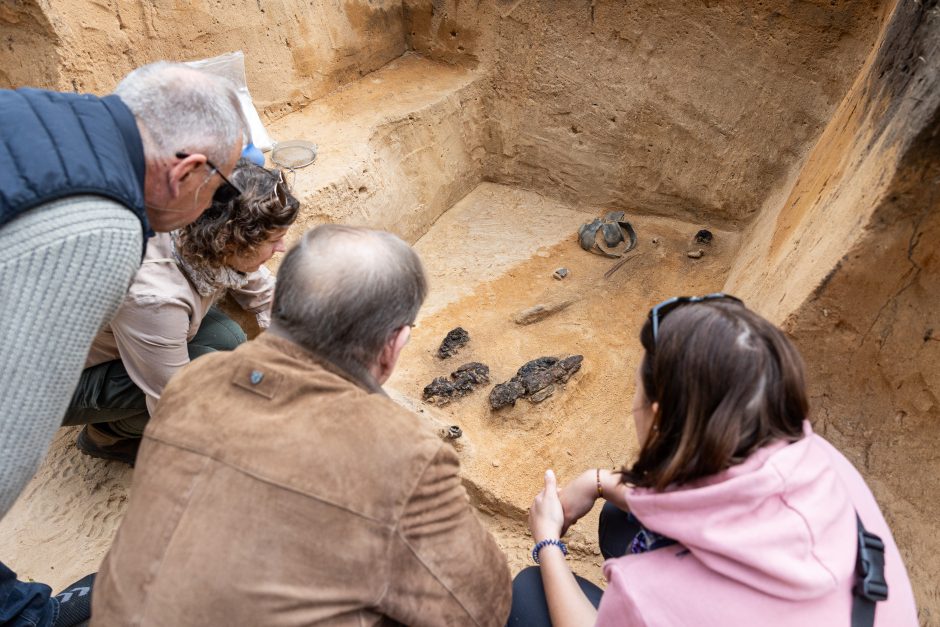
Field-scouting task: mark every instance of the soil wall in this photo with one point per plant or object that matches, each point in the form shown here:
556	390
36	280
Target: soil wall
393	163
811	219
296	51
28	46
693	110
869	337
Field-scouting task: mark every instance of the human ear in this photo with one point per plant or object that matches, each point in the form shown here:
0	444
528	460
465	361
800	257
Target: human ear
182	169
398	342
388	358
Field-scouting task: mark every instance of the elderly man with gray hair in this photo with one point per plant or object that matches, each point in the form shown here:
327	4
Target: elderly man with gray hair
83	180
278	485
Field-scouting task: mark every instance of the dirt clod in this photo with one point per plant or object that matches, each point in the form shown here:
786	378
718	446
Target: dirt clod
452	342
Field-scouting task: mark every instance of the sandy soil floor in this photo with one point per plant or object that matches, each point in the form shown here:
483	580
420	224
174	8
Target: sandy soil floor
489	257
587	424
65	520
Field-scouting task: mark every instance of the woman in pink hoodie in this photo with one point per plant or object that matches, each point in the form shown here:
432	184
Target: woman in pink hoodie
738	513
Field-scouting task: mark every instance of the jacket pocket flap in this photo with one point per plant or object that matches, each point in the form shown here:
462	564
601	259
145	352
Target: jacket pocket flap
258	380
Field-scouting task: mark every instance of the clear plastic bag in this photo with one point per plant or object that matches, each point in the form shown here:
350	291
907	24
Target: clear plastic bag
232	66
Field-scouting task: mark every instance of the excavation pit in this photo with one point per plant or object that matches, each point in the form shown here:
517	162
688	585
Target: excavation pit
492	255
801	138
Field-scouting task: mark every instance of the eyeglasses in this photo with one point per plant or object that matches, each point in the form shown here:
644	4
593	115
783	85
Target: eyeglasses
215	170
659	312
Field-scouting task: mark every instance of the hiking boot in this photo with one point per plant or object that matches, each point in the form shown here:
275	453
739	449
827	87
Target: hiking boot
101	442
75	603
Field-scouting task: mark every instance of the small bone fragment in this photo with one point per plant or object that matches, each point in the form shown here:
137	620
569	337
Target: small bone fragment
540	312
542	394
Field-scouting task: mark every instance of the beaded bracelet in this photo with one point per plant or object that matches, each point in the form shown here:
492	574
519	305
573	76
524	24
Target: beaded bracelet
544	543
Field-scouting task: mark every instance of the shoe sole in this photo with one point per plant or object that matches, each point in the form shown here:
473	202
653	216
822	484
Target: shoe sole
87	447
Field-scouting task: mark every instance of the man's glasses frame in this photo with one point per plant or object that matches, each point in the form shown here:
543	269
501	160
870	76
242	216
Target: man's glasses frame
215	170
659	312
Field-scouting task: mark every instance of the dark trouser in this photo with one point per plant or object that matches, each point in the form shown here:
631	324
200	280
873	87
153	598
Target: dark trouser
529	606
106	393
25	604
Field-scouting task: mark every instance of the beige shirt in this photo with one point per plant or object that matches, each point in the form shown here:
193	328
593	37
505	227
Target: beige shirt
161	312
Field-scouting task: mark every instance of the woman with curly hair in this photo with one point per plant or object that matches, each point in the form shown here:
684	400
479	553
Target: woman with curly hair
168	316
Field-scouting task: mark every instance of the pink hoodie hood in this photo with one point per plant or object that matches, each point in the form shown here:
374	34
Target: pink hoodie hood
781	522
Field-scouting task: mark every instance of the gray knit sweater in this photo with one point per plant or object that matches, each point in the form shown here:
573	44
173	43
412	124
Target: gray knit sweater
64	269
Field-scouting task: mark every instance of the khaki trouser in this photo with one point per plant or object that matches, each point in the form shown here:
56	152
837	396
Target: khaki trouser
106	393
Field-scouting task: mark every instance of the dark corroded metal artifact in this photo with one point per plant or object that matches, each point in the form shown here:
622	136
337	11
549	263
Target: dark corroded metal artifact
462	381
452	342
535	380
614	230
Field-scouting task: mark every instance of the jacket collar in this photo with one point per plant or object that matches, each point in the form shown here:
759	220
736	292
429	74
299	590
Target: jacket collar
127	125
362	379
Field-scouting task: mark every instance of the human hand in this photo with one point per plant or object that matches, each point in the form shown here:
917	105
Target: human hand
546	515
615	491
577	498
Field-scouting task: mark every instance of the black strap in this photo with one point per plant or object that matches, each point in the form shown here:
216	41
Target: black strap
870	585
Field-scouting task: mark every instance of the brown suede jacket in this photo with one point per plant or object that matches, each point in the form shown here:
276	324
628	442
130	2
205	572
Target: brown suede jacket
271	490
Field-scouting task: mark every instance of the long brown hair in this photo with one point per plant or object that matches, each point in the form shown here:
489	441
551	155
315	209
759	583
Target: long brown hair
237	223
727	383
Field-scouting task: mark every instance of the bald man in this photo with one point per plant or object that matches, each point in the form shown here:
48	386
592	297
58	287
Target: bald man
278	485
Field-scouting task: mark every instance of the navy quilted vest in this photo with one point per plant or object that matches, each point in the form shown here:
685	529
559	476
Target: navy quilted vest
54	145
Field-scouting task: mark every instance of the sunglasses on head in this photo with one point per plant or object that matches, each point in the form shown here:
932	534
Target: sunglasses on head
214	170
226	193
659	312
280	188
